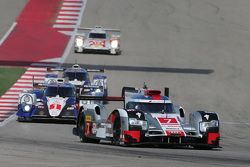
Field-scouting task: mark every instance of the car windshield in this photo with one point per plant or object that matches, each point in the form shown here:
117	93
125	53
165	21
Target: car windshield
151	107
61	91
80	76
97	35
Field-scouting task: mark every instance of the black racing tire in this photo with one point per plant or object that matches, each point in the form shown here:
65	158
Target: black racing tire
81	128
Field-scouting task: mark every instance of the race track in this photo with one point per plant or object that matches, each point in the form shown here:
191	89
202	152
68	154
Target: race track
175	35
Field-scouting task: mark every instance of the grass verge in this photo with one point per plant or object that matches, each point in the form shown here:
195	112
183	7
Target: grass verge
8	76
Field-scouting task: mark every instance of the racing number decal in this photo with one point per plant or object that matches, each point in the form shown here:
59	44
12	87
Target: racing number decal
167	120
55	106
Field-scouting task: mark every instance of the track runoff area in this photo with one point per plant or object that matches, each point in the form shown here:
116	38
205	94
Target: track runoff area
42	32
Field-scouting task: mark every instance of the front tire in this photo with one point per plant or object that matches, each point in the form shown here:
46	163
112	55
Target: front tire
81	129
81	132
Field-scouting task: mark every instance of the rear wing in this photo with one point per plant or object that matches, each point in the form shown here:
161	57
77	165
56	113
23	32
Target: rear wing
101	98
105	29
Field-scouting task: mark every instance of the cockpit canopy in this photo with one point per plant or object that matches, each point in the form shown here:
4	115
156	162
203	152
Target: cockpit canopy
151	107
97	35
80	76
53	91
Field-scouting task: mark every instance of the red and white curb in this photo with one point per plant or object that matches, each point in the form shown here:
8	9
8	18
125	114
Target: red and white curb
9	101
69	15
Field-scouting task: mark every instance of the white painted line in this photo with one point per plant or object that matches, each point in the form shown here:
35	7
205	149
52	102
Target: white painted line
13	93
71	41
64	26
67	17
66	21
8	104
12	117
72	4
71	8
34	73
8	100
30	81
73	0
8	33
69	33
22	84
8	108
31	77
18	88
10	96
70	13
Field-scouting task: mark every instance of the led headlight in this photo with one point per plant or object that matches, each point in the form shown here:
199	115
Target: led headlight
114	44
205	125
79	41
27	108
136	122
98	91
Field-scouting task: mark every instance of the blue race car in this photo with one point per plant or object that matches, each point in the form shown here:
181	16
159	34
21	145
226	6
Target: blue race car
80	78
56	100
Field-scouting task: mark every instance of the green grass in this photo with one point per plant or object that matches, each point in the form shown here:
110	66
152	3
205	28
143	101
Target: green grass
8	76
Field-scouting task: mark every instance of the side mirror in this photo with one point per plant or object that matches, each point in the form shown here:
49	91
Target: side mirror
182	112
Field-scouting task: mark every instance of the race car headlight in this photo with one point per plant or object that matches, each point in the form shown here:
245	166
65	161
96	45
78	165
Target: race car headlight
205	125
79	42
26	108
114	44
136	122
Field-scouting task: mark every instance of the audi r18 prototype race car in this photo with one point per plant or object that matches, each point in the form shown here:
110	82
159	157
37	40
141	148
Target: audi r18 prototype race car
98	39
56	100
147	118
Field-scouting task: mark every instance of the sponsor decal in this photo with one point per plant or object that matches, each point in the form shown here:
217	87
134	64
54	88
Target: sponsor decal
97	44
88	118
171	127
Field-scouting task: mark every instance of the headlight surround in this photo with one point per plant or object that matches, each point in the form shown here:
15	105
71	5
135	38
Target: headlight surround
27	99
79	41
136	122
114	44
205	125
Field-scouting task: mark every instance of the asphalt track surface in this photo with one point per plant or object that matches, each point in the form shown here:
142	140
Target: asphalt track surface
183	34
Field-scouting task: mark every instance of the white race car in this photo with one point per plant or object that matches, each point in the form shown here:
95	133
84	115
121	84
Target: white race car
98	40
